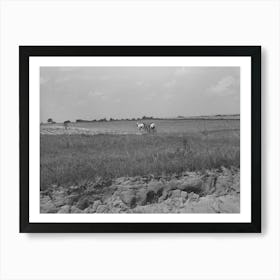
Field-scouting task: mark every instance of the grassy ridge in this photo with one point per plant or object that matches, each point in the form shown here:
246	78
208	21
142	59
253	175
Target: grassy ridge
70	159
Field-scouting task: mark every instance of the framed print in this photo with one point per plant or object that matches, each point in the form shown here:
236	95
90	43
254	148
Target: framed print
140	138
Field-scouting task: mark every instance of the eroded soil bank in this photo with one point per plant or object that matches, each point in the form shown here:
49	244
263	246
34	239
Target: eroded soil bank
212	191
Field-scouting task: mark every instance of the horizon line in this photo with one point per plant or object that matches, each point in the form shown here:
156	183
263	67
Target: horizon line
145	118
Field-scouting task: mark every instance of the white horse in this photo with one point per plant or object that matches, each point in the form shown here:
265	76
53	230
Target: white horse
153	127
140	126
146	127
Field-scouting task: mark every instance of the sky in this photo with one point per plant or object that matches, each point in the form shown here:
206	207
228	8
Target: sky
70	93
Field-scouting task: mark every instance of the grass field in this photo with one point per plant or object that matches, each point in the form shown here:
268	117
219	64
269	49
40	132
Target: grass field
114	149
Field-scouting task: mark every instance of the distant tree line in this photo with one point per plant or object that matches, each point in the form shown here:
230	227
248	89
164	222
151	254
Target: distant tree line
116	119
50	120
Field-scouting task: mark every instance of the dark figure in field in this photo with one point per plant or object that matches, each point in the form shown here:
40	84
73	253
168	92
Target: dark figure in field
147	127
66	124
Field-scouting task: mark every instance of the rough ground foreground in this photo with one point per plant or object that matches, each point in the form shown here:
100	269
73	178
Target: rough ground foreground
213	191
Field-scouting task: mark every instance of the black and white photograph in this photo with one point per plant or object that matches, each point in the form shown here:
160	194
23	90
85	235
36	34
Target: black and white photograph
140	140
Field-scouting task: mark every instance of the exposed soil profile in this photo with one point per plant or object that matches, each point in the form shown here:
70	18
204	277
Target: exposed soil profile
211	191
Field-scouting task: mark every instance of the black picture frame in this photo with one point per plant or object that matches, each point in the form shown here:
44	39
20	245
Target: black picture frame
25	52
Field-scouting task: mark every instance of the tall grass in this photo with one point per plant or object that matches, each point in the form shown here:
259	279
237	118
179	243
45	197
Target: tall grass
70	159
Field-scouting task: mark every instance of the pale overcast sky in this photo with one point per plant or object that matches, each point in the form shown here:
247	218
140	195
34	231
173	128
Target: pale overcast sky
70	93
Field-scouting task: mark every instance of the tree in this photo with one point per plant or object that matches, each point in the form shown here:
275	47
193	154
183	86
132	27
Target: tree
146	118
50	120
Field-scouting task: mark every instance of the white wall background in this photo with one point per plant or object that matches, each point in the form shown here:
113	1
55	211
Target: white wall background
139	256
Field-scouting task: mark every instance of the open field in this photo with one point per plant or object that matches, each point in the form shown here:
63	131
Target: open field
188	126
89	155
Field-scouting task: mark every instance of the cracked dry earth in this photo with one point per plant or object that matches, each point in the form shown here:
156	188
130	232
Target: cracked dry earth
212	191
